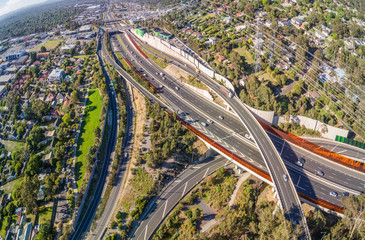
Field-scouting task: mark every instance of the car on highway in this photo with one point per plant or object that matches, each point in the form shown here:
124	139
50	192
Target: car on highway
163	78
204	124
285	177
221	117
346	194
333	194
210	121
299	163
247	136
320	173
177	88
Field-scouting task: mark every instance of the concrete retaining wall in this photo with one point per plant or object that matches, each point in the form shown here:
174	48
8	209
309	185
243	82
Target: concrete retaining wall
326	130
265	116
185	57
201	92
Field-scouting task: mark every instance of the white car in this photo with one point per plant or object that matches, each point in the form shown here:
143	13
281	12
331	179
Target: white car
333	194
221	117
247	136
210	121
299	163
285	177
204	124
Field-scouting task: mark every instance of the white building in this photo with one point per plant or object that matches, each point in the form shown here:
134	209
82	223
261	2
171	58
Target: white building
14	55
67	47
56	75
85	28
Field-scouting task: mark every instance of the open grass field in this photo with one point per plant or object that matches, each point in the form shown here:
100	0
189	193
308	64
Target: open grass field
12	146
48	45
87	134
45	215
245	53
10	186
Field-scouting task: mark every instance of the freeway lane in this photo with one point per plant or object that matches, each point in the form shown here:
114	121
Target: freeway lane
233	143
291	153
173	193
340	148
88	217
103	222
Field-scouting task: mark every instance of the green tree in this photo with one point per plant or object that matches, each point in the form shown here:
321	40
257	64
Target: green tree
36	135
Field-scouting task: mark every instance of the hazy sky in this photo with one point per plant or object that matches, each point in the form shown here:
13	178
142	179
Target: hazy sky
7	6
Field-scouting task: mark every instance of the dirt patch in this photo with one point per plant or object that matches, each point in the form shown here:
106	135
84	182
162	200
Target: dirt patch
199	144
185	77
218	100
308	209
176	72
140	120
268	195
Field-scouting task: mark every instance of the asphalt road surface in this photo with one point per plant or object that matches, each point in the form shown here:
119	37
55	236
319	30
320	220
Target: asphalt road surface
173	193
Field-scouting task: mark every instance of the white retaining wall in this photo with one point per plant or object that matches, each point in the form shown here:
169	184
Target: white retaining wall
185	57
326	130
206	94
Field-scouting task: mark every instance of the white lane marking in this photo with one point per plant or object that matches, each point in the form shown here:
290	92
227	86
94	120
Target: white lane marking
342	151
206	172
196	167
186	184
282	149
299	179
145	234
334	147
164	211
234	150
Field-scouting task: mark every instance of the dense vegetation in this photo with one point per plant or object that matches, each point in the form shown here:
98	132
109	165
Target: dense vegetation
268	88
167	137
39	21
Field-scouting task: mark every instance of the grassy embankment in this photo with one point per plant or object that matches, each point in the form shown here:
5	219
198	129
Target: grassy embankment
87	135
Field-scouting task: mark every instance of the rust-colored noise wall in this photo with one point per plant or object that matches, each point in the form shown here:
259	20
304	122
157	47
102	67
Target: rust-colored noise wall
323	203
253	168
135	44
347	162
